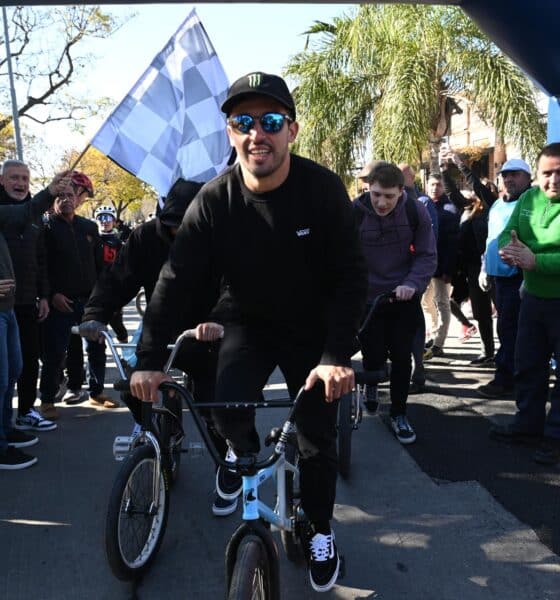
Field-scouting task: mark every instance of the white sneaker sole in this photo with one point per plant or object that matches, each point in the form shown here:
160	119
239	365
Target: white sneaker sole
223	495
50	427
27	444
20	466
332	581
224	512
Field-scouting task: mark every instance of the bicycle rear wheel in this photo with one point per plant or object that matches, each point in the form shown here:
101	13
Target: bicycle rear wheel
135	524
345	428
251	574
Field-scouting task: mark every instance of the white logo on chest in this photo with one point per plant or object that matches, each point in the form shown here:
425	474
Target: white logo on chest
303	232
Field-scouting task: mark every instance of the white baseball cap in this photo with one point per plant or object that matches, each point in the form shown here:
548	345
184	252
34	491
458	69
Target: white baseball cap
515	164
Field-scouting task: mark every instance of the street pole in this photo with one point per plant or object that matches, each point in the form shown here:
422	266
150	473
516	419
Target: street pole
19	147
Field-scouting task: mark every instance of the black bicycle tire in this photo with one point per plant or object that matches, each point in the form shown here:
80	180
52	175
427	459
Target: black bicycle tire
123	567
167	427
290	539
252	558
345	428
140	302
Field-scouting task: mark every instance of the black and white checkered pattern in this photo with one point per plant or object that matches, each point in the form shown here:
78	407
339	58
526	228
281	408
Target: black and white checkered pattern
170	124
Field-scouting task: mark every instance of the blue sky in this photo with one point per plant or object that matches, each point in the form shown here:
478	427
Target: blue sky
247	37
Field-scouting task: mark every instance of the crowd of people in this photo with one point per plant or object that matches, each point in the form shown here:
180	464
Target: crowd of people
273	253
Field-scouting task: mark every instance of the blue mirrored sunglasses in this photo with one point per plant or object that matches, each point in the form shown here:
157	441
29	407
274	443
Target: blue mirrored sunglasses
271	122
105	218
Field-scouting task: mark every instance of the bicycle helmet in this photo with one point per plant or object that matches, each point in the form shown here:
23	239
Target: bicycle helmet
105	209
83	181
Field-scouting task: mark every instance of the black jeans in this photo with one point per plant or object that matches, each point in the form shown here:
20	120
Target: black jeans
538	338
247	357
389	334
57	335
28	325
508	303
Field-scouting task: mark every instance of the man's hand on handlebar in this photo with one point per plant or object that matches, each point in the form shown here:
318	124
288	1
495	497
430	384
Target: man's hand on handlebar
209	332
404	292
338	380
91	330
144	384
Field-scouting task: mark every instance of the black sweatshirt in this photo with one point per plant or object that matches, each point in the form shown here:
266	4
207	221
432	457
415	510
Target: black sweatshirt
289	259
73	256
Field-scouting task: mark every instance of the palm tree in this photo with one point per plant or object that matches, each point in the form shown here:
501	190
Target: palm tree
385	78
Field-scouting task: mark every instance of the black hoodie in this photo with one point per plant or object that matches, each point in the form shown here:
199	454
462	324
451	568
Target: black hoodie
141	258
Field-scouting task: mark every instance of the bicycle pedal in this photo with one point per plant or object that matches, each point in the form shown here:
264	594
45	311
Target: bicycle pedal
122	446
342	567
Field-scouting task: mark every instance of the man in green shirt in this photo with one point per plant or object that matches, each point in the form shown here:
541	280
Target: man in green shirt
531	241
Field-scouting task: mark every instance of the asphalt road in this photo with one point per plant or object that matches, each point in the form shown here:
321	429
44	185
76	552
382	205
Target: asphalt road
454	516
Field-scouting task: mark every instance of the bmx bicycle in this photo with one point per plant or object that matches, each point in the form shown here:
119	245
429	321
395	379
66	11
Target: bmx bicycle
139	503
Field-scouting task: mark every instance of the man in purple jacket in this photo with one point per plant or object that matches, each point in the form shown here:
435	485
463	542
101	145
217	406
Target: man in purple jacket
401	258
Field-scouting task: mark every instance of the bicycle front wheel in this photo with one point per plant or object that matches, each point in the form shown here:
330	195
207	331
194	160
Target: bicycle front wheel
345	428
136	520
251	574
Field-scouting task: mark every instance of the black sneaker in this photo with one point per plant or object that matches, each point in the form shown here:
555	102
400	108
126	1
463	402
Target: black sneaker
548	453
511	435
403	430
417	387
20	439
372	400
222	507
13	459
483	360
437	351
495	390
228	483
323	561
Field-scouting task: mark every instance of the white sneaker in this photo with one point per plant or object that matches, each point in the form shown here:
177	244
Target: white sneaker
34	421
75	397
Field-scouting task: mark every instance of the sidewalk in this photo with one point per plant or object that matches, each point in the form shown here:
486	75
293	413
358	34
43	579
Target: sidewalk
405	535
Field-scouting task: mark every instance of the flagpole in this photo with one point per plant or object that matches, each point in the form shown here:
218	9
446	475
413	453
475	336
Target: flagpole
82	154
15	116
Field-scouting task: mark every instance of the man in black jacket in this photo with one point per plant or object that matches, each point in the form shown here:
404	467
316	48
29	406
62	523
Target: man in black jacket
278	231
14	217
27	250
74	262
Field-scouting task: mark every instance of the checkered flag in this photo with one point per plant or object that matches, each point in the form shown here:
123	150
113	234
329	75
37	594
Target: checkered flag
170	124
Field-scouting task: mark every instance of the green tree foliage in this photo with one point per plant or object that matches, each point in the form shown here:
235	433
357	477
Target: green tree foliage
112	185
385	78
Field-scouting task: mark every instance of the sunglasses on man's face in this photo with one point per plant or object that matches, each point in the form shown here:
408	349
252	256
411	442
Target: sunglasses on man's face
271	122
105	218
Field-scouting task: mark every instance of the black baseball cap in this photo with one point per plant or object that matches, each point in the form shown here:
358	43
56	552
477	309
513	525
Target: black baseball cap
260	84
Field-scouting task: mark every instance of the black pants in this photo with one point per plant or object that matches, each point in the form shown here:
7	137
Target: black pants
117	324
247	357
28	325
508	305
389	334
